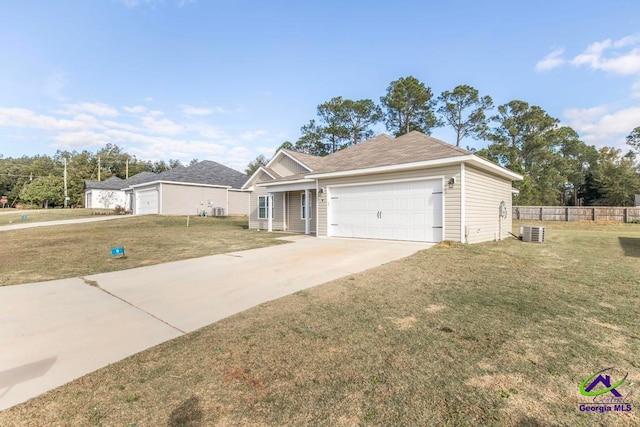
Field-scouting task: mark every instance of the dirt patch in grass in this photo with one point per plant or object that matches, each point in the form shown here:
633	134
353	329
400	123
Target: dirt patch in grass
511	347
74	250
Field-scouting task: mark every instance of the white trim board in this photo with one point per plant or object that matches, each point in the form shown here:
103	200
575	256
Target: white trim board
463	203
188	184
471	158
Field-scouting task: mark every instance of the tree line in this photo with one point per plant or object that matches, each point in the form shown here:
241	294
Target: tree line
39	180
558	168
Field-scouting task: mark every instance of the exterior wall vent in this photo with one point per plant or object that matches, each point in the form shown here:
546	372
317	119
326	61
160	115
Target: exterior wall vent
530	233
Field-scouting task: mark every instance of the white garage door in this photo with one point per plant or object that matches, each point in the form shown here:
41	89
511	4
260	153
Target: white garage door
394	211
147	202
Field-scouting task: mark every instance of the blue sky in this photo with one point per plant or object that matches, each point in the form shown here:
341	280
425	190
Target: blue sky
227	80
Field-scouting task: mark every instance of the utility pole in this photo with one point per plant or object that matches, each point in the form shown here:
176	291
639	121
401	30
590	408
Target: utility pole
66	195
98	168
126	169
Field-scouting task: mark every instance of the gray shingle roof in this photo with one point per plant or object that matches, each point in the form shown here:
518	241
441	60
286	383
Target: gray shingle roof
384	150
204	172
139	178
381	150
113	183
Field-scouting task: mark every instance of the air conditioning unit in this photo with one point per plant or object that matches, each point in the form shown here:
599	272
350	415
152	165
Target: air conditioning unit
531	233
217	212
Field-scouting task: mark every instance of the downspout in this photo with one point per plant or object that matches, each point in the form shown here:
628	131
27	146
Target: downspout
463	208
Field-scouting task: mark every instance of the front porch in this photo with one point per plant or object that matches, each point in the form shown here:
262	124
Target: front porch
291	210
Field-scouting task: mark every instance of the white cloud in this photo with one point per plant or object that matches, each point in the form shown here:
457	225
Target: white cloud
150	135
208	131
95	108
609	56
162	126
601	126
195	111
134	3
252	135
20	117
81	139
136	109
620	57
551	61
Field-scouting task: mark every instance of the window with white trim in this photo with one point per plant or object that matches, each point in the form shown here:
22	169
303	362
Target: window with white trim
303	211
263	205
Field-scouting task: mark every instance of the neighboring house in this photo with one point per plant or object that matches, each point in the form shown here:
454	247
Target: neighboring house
105	194
413	187
205	186
110	193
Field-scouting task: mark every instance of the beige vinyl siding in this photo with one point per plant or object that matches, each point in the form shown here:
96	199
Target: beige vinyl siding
294	211
190	199
239	202
261	224
451	204
483	194
286	166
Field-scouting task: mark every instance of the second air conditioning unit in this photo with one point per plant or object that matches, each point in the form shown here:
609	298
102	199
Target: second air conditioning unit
531	233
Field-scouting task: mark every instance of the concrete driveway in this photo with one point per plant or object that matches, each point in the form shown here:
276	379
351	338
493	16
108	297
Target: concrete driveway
53	332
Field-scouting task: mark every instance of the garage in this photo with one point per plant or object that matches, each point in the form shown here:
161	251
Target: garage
407	210
147	202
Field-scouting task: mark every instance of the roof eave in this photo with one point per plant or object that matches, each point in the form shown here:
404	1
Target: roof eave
255	175
293	181
161	181
488	165
471	158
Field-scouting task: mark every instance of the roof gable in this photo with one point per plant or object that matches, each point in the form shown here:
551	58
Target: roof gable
307	162
310	161
261	171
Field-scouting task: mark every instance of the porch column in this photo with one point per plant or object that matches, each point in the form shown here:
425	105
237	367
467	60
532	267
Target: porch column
284	211
269	212
307	211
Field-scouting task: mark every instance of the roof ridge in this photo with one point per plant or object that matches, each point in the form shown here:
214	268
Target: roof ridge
434	139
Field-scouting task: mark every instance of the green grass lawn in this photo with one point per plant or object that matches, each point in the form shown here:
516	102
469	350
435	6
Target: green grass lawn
489	334
46	253
8	216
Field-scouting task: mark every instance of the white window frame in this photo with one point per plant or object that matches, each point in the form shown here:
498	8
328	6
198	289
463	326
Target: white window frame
302	207
266	206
